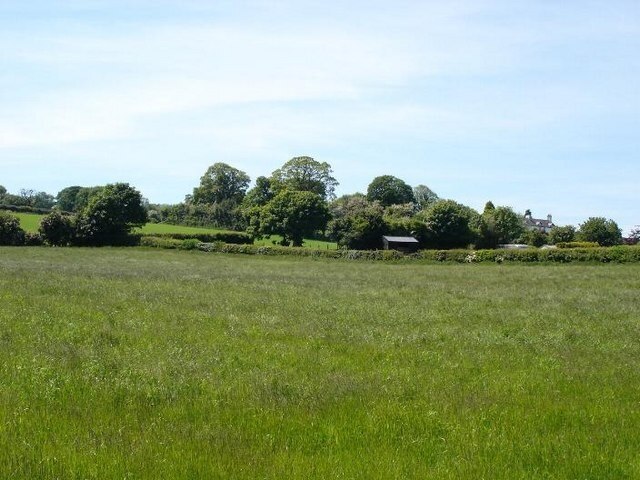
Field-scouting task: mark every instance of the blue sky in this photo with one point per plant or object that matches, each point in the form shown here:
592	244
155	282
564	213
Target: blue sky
528	104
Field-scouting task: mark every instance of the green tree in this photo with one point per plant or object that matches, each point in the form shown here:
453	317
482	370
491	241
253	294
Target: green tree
253	202
110	215
450	224
67	197
389	190
84	195
400	211
424	196
562	234
10	231
534	238
598	229
221	182
294	215
56	229
43	200
356	223
260	194
499	225
306	175
489	207
30	198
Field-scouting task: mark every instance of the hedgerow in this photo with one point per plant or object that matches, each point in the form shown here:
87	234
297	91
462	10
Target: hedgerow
577	245
24	209
618	254
226	237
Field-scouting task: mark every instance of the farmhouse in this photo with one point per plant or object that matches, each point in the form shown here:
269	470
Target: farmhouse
539	224
402	244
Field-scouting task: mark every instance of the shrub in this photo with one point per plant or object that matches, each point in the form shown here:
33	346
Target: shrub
10	231
225	237
160	242
110	215
598	229
189	244
33	239
24	209
621	254
562	234
56	229
577	245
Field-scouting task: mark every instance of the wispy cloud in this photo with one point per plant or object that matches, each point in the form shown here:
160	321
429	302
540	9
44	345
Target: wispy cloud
373	86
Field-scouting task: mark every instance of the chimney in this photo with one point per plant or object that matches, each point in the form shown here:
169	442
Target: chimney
549	218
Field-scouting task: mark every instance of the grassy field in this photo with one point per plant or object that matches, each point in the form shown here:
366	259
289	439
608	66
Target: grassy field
31	221
315	244
162	228
133	363
28	221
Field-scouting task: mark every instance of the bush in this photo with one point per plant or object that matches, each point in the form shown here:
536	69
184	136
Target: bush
10	231
24	209
57	229
189	244
601	230
577	245
160	242
110	215
33	239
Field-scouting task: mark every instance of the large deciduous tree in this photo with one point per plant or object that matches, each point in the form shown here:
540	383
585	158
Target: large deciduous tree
110	215
534	238
294	215
260	194
356	223
219	183
599	229
499	225
307	175
562	234
450	224
389	190
67	197
424	196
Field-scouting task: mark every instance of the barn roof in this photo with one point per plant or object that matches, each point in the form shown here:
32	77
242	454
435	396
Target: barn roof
400	239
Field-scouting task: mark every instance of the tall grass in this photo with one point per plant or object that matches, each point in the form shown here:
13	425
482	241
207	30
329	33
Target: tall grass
128	363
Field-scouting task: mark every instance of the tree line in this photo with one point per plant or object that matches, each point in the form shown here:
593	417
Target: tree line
298	201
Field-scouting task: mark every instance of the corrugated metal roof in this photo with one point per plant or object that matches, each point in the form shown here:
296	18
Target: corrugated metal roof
400	239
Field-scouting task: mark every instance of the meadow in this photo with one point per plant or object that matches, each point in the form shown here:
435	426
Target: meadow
28	221
135	363
164	228
31	221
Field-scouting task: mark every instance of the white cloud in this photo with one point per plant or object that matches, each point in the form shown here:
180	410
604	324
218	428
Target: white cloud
176	69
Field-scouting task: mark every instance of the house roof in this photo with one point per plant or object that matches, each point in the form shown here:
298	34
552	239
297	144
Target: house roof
400	239
538	222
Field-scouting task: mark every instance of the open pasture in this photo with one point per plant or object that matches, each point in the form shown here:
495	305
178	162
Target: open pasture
28	221
31	221
134	363
165	228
